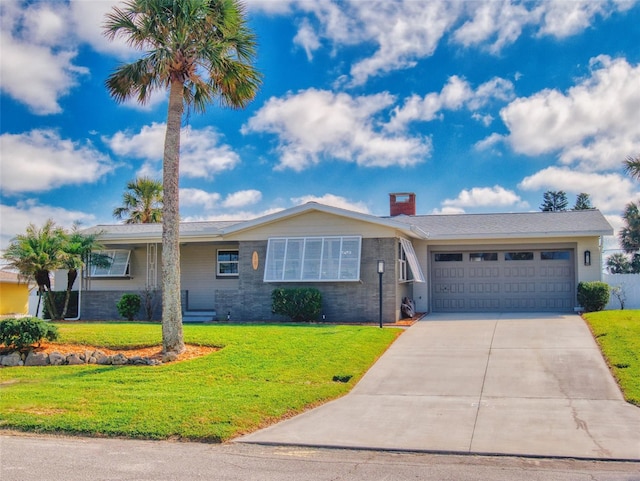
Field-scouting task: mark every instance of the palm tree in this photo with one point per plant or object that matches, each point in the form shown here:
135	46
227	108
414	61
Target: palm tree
81	250
632	166
618	263
141	202
35	254
629	235
201	50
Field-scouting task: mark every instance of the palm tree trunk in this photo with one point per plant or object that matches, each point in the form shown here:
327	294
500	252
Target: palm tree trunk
72	275
44	284
172	338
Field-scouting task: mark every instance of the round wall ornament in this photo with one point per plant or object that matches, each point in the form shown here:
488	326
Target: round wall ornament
254	260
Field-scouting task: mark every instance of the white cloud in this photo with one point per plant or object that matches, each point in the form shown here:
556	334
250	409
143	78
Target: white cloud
242	198
562	19
201	153
608	192
484	119
40	160
227	215
209	201
404	32
271	7
494	23
15	219
456	94
448	211
595	123
307	39
399	33
88	17
190	197
333	201
38	33
489	142
316	124
495	196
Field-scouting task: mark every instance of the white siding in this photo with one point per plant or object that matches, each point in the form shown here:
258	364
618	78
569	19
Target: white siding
315	224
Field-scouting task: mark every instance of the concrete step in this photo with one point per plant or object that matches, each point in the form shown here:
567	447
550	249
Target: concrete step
199	316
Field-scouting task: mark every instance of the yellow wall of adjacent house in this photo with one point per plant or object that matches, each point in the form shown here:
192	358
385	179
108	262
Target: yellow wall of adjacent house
14	298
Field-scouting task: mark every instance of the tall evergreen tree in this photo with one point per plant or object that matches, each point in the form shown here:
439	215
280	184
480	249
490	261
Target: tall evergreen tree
201	51
583	202
554	201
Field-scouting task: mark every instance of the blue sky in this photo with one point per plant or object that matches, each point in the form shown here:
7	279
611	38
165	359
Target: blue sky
474	106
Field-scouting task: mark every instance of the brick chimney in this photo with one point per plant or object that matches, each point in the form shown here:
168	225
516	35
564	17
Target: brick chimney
402	203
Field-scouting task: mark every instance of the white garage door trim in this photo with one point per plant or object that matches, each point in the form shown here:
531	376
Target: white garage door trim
503	280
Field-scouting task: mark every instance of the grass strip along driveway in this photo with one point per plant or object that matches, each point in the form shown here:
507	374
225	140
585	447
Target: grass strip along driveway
618	335
261	374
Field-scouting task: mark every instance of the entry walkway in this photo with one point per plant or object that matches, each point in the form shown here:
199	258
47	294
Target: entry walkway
532	385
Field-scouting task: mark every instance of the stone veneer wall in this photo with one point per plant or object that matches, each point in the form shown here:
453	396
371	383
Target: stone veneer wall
101	305
341	301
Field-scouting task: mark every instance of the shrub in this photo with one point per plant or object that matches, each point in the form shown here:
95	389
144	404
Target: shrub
129	306
593	296
25	332
299	304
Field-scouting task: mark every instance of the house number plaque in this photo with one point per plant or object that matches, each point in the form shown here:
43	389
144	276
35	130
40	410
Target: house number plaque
254	261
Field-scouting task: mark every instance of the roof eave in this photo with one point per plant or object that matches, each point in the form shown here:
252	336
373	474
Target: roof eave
523	235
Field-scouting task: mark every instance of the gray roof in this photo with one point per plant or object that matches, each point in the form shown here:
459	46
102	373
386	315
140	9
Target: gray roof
154	231
445	227
524	224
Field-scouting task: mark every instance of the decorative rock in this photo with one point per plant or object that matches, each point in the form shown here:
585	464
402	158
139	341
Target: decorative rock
13	359
74	360
56	359
119	359
36	359
102	358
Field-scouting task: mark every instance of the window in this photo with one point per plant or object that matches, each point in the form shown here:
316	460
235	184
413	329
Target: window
518	256
300	259
407	255
483	256
455	257
227	263
555	255
118	265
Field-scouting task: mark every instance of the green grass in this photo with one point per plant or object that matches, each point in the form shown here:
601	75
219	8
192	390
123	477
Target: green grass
618	334
262	374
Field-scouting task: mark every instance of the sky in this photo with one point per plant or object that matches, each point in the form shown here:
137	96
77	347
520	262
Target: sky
475	106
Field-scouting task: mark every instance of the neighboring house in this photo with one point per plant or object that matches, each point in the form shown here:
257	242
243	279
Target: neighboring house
445	263
14	294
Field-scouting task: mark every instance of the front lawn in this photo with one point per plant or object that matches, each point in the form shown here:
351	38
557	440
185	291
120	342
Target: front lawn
263	373
618	334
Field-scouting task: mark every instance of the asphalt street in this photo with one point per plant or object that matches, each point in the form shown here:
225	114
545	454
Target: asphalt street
53	458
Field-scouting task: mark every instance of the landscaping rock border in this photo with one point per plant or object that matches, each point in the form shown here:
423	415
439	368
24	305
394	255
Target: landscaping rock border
35	358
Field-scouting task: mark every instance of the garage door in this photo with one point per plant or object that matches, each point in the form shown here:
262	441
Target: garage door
514	280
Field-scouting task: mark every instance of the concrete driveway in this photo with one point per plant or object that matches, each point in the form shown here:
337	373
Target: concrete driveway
517	384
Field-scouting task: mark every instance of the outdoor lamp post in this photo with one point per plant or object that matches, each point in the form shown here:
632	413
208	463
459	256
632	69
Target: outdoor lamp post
380	272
